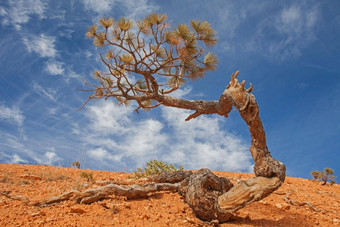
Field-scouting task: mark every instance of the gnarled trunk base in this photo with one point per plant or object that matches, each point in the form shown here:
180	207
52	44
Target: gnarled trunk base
201	192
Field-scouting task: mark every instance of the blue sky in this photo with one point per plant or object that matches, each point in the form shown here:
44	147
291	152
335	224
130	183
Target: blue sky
289	51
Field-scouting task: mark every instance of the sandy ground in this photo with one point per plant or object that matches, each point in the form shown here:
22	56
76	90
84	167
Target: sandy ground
38	182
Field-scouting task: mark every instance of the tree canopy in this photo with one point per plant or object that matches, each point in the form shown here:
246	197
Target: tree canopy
149	58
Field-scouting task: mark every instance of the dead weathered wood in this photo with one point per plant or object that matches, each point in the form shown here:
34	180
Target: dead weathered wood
171	177
299	203
93	195
201	193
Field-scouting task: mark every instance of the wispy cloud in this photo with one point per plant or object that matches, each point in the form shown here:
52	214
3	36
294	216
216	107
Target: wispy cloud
42	45
137	9
13	115
20	12
48	92
281	34
99	6
295	27
55	67
134	9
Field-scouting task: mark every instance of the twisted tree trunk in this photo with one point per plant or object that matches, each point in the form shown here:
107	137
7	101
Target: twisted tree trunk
212	197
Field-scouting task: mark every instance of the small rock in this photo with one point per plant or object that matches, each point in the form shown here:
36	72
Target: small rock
145	216
77	211
40	213
31	177
104	205
278	205
191	221
287	207
215	222
335	221
263	202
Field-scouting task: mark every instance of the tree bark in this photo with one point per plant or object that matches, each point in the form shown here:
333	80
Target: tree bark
217	199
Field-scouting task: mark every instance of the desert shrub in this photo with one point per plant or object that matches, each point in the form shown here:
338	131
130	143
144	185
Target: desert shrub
155	167
6	178
87	176
76	163
324	176
52	176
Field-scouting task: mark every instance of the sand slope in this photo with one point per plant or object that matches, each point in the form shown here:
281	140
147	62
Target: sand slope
38	182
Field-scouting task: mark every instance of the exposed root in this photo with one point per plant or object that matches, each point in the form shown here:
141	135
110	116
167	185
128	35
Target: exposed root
19	198
93	195
298	203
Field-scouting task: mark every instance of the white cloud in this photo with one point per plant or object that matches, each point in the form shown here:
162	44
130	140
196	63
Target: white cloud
43	45
48	92
134	9
17	159
12	158
106	118
99	6
20	11
116	136
48	158
102	155
55	68
13	115
202	143
181	92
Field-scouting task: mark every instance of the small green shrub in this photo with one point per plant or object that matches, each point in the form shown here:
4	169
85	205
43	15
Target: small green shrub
155	167
87	176
324	176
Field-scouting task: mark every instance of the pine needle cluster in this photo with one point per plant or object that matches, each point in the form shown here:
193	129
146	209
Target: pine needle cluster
152	53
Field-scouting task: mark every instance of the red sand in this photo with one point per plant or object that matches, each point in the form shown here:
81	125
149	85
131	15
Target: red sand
38	182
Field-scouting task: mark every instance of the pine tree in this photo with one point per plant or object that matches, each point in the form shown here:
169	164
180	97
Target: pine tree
161	58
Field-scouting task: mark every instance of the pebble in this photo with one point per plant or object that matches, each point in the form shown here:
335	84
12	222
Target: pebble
77	211
31	177
40	213
278	205
145	216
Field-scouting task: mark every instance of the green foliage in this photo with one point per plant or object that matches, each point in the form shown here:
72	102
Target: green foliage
150	51
155	167
87	176
76	163
324	176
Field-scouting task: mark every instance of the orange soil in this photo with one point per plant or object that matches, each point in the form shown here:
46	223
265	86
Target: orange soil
38	182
